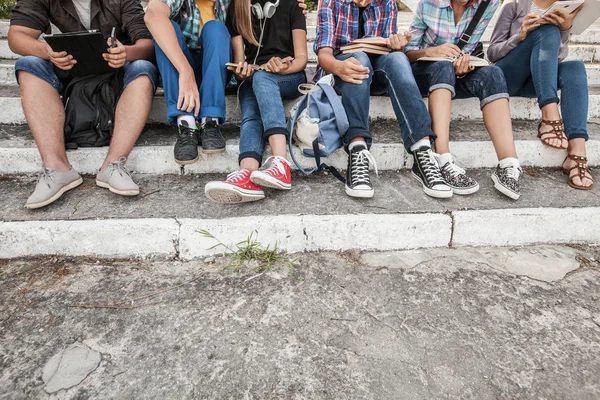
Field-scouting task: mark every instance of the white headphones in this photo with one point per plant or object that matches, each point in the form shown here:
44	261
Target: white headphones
266	12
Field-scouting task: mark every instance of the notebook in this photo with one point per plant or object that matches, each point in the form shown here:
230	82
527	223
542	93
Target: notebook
86	47
586	17
373	45
475	61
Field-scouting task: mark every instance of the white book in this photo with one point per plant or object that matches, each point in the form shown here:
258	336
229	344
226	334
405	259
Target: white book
586	17
475	61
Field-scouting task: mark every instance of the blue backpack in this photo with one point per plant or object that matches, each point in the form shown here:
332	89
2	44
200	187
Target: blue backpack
321	123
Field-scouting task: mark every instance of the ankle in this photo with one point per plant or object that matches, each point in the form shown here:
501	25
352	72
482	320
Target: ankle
60	165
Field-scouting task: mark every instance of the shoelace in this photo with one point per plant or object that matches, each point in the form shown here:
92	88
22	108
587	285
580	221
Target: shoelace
278	163
186	134
47	175
119	166
454	169
360	166
237	176
430	167
513	172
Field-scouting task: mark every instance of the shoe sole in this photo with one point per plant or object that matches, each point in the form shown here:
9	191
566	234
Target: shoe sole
117	191
226	194
187	162
213	151
361	194
57	195
438	194
505	191
465	192
266	180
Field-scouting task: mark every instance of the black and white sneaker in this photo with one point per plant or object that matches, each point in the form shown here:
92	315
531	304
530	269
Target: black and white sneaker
426	170
358	183
212	138
186	146
457	178
506	180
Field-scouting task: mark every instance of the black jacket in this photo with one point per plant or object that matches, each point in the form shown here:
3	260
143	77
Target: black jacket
126	15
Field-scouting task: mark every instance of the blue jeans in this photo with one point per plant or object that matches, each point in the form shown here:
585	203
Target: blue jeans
44	70
390	74
486	83
209	69
262	109
532	70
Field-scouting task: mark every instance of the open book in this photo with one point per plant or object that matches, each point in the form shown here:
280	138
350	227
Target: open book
475	61
233	66
373	45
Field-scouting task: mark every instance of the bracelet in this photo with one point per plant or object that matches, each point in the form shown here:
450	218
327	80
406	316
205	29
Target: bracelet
460	76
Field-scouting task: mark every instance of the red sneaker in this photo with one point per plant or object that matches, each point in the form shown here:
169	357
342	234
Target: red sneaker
277	176
236	189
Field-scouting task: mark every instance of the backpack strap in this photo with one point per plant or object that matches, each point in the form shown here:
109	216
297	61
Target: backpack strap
338	109
466	35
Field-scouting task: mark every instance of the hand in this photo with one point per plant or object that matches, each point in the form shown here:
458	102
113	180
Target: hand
189	97
397	42
445	50
116	56
243	71
303	6
462	65
276	66
352	71
561	18
61	59
530	23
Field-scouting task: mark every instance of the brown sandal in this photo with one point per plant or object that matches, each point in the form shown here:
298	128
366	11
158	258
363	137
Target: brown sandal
558	131
582	169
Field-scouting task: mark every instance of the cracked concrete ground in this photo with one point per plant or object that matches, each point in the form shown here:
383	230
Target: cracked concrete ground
486	323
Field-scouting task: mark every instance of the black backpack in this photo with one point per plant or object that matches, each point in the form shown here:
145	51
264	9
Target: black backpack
90	104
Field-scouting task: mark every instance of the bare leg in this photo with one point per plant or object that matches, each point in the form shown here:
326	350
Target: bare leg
440	107
249	163
278	145
577	148
46	118
496	116
550	113
130	118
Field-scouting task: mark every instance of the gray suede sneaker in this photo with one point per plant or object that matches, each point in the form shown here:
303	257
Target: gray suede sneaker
116	178
51	185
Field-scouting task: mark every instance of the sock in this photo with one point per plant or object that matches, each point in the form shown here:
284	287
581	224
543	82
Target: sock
357	143
443	159
191	121
420	143
509	162
204	120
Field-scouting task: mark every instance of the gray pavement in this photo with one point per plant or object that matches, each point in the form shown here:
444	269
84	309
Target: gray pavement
487	323
165	196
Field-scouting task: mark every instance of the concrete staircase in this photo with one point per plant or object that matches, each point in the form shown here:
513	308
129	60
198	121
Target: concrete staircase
166	218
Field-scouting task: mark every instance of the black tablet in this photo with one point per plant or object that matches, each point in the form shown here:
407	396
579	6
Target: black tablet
86	47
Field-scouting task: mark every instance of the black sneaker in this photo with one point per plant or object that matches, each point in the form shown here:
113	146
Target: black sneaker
426	170
506	181
358	183
186	147
457	178
212	139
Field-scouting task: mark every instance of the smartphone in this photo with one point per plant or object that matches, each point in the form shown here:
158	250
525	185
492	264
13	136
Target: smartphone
113	38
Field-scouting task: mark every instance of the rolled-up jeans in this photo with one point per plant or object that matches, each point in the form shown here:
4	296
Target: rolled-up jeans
389	74
532	70
263	115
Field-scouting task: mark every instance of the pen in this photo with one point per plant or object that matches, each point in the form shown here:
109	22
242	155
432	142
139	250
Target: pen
113	38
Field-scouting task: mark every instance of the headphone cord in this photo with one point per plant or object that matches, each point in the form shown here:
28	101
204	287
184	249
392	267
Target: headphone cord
262	25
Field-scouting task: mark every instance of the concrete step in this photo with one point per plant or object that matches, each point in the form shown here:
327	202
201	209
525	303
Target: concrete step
167	218
153	153
380	108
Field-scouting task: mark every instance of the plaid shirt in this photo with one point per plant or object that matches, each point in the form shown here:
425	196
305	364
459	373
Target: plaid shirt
338	23
433	24
187	15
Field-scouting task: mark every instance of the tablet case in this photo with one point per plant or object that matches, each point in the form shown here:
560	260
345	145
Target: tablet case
86	47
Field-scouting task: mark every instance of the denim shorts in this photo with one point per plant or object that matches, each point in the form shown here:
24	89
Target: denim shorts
44	70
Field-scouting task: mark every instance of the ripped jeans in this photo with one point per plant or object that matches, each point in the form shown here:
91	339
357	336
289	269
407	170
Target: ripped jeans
391	74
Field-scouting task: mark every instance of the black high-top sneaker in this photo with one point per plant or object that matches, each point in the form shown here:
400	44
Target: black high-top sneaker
426	170
358	183
186	147
212	138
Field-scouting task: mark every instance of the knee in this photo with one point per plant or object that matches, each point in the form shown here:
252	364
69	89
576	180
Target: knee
493	78
572	73
549	33
262	80
215	32
29	63
443	73
396	61
363	59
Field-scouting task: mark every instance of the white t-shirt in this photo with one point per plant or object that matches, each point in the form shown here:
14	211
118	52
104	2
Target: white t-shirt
84	10
537	9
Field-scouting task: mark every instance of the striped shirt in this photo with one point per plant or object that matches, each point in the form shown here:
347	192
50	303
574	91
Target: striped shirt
187	15
433	24
535	9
